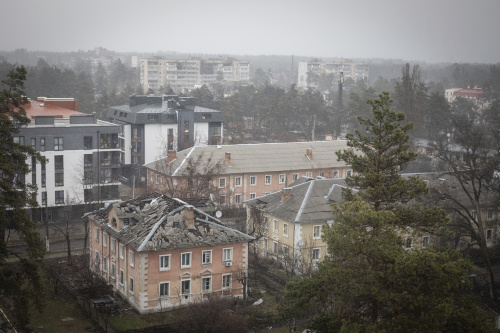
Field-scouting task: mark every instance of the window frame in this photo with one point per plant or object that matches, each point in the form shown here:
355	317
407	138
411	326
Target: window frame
204	262
276	226
253	180
266	178
121	251
131	285
281	179
225	257
222	182
121	277
203	284
295	177
309	174
160	262
227	284
237	199
189	255
160	289
425	241
237	181
317	235
285	229
131	258
316	254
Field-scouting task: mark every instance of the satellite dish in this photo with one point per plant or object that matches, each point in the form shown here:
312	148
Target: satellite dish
218	214
301	242
143	179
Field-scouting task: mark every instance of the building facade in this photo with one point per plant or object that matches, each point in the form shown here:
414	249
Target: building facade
82	152
350	69
160	253
187	74
153	125
236	173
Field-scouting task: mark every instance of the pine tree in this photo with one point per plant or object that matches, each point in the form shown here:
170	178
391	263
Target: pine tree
20	281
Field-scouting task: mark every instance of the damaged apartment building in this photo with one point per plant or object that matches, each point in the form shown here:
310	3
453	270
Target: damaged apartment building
159	253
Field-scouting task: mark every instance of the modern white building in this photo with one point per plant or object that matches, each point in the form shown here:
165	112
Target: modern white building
353	70
187	74
83	156
153	125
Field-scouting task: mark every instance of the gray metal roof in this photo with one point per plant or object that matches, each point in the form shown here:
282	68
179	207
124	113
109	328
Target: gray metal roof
157	223
263	157
310	201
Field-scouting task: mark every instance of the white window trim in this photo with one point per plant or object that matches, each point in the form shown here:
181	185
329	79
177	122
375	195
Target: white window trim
270	180
295	176
236	185
121	250
253	195
317	237
285	227
319	254
190	259
236	196
281	181
131	285
131	258
309	174
230	281
113	245
159	289
276	226
121	275
104	239
220	178
169	262
190	288
210	284
255	183
230	254
96	234
206	263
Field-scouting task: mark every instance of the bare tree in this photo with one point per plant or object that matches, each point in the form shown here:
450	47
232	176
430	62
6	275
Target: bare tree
472	162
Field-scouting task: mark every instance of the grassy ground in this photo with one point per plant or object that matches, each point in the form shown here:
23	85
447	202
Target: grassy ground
61	314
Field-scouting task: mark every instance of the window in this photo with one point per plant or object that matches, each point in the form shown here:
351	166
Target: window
131	258
309	174
157	178
18	139
266	223
186	260
105	264
316	254
489	235
237	198
282	179
121	277
42	144
425	241
113	270
58	144
33	143
252	195
87	160
226	281
206	257
295	176
227	254
165	262
409	243
113	245
206	284
253	180
490	214
285	251
275	226
335	174
164	289
322	174
96	234
264	244
131	285
59	197
275	247
105	239
474	215
348	173
222	182
268	180
186	288
237	181
317	232
59	178
87	142
285	229
120	247
222	199
44	198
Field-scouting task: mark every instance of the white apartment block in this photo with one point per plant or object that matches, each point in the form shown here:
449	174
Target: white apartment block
353	70
187	74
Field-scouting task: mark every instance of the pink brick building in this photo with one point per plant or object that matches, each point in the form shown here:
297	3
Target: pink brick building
159	253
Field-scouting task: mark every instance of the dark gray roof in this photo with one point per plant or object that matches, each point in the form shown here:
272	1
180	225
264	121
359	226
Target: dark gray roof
159	224
310	201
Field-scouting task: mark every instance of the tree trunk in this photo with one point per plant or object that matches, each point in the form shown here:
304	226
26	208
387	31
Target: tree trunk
489	270
68	242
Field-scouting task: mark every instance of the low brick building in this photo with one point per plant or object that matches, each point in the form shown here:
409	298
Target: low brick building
159	253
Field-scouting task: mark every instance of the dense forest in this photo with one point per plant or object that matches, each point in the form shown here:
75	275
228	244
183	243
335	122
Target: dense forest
271	107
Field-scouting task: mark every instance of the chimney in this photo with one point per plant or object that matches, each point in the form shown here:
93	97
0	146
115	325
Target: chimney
171	155
228	158
286	193
309	153
189	216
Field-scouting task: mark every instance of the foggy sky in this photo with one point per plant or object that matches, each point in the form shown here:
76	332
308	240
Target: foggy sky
421	30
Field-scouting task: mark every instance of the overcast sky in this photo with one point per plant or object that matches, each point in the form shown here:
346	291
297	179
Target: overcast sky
418	30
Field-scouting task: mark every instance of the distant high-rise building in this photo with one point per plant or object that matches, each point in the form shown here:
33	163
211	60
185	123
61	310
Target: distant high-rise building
308	70
181	74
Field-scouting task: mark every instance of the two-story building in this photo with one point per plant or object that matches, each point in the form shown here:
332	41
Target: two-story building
235	173
160	253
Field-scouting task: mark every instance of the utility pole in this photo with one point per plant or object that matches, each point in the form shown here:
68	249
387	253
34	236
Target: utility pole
340	111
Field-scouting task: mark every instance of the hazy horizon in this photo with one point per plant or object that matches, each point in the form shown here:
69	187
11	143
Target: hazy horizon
430	31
